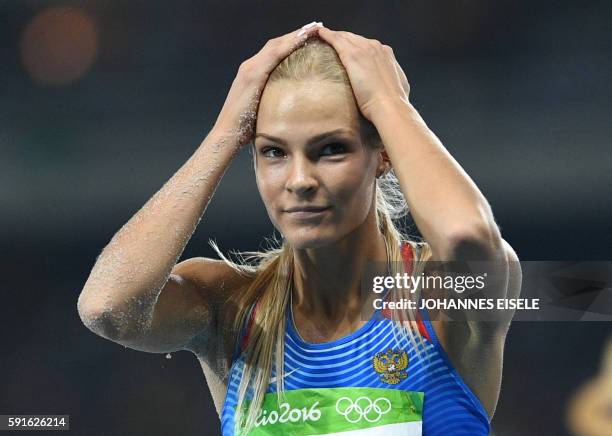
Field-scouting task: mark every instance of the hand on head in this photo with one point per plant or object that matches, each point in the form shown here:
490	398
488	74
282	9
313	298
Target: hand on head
376	76
238	115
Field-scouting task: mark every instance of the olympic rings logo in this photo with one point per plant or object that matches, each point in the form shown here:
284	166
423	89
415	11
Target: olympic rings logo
363	408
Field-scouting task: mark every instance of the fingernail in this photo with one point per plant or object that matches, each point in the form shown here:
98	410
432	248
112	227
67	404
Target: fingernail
309	25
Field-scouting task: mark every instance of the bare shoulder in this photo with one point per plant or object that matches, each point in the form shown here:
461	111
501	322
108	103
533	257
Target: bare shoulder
214	278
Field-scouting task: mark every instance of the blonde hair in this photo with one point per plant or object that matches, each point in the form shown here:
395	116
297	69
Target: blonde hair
272	270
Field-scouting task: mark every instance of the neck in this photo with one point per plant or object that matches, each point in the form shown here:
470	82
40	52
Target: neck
327	280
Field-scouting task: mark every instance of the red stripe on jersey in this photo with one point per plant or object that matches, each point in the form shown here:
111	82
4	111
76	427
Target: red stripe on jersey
408	256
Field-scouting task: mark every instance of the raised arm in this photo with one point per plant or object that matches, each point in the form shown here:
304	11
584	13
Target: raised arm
136	294
451	213
119	297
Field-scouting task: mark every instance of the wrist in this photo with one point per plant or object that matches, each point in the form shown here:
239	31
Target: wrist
387	109
222	139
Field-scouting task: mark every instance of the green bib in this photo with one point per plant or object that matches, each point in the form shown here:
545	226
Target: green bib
341	411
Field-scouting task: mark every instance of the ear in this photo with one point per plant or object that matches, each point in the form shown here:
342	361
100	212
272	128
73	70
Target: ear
384	163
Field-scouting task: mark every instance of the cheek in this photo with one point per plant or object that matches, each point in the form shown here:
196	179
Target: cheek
268	183
355	194
364	196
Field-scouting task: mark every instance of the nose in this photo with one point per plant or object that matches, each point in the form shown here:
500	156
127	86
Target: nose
301	179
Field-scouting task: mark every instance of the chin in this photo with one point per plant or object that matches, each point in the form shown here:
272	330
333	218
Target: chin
312	238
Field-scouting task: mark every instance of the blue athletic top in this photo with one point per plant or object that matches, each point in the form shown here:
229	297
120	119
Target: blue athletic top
371	382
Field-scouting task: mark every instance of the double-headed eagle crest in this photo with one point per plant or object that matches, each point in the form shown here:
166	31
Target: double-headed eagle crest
391	365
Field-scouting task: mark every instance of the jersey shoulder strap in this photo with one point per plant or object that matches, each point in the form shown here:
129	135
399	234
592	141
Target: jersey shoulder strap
409	255
246	334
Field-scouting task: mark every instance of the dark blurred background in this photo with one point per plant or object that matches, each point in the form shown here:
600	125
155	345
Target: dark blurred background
102	101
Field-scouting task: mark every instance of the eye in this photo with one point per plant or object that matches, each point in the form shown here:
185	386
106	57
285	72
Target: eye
272	152
333	148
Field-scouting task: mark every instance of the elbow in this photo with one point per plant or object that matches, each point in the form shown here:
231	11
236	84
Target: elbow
104	322
478	242
87	313
102	325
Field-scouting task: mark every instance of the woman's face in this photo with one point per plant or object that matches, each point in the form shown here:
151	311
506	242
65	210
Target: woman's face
317	188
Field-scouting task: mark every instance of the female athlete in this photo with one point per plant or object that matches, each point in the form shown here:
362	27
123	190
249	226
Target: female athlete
339	153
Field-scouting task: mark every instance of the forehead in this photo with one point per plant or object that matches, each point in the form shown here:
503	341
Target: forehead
288	108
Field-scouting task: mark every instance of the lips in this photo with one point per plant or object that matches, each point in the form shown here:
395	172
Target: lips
307	212
307	209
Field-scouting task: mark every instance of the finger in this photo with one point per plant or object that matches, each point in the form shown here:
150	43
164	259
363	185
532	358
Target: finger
389	50
398	71
293	39
337	39
361	41
310	27
398	68
352	38
405	82
277	49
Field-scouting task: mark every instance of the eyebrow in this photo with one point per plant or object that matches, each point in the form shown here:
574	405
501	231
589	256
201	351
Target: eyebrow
314	139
